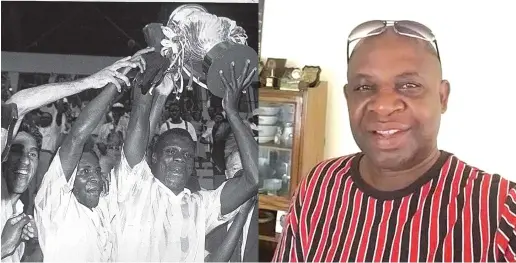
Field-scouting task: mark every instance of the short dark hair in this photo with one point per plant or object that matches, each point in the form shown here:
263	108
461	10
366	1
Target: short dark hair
174	132
33	131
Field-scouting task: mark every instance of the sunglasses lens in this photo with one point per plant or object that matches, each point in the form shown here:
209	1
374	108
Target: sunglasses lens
414	29
366	29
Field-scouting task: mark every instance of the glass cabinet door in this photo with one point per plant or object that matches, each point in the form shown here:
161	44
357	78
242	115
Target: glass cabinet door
276	137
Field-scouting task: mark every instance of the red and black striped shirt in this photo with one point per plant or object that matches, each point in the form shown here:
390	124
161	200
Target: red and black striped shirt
455	212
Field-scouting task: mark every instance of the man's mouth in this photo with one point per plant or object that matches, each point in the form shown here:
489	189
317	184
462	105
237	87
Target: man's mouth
22	172
387	133
388	139
93	186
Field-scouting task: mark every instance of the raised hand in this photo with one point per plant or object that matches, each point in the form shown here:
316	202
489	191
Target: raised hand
166	86
237	85
112	74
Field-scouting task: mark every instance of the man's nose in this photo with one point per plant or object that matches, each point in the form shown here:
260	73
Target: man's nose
24	159
386	101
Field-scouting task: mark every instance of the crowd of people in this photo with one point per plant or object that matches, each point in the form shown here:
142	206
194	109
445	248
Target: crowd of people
105	180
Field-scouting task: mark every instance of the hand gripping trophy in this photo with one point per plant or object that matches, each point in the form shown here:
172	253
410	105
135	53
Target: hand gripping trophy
194	45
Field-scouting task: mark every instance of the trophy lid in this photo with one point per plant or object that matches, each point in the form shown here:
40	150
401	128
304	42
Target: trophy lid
220	58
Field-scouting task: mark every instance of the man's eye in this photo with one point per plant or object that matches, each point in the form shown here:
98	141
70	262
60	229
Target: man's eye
34	155
86	171
409	86
363	88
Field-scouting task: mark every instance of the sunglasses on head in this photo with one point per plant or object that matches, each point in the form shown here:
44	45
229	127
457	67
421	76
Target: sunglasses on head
403	27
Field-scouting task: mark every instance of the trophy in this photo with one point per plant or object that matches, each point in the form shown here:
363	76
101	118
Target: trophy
199	45
271	81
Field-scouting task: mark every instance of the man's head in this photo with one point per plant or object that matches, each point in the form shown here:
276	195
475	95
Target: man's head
88	185
22	160
173	158
218	117
175	111
114	144
117	111
395	96
211	112
196	116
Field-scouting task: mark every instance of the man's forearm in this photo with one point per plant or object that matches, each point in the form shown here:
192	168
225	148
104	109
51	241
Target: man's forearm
138	129
158	104
34	98
247	146
90	117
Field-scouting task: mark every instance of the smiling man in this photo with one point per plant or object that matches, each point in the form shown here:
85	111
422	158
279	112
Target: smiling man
401	198
76	223
17	172
163	221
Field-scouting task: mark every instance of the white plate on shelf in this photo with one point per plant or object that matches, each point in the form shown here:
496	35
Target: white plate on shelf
267	120
265	139
268	110
267	131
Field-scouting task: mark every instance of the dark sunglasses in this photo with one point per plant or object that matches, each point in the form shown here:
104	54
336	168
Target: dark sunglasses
403	27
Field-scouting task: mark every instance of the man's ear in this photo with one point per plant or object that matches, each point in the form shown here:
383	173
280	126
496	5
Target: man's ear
444	94
345	90
154	158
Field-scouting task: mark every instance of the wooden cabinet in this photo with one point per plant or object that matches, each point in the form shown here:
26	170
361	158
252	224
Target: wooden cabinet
288	154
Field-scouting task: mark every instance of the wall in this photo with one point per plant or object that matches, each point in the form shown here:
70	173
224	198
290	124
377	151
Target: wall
475	42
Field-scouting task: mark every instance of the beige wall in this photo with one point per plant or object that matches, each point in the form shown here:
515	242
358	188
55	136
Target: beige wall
475	41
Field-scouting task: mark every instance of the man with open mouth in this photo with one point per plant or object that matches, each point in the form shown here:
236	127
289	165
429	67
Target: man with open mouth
401	198
17	172
75	222
163	220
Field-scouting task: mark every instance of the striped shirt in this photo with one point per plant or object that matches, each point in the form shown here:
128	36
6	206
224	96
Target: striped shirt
454	212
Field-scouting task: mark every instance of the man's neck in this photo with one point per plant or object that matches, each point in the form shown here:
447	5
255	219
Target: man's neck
388	180
176	120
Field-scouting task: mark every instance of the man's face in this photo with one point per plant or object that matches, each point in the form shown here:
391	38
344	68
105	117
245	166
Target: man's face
395	96
211	112
114	145
173	162
88	182
218	118
22	163
117	114
175	112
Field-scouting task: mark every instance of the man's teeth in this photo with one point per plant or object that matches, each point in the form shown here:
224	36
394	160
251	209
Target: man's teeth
25	172
387	132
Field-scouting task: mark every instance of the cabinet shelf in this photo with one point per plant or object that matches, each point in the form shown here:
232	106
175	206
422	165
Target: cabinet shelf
274	146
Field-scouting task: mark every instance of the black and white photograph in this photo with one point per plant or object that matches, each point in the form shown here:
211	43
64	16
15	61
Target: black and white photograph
129	131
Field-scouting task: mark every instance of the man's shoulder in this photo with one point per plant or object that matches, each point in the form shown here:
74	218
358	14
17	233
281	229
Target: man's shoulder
329	169
481	177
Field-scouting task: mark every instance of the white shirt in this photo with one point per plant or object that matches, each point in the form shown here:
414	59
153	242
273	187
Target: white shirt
152	218
244	232
8	211
69	231
169	125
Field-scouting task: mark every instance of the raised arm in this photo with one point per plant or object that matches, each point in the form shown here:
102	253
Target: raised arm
135	144
239	189
72	148
162	92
